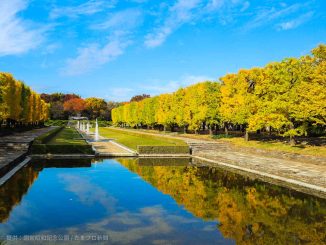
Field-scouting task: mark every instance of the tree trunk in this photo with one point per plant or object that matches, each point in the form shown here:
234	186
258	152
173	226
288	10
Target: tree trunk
246	135
210	130
292	141
184	129
164	128
216	128
226	129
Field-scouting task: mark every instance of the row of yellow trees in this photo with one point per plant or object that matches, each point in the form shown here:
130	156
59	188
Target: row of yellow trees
286	97
19	105
188	107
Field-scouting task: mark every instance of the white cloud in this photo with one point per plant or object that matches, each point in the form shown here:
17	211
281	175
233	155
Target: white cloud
225	11
156	87
245	6
139	1
119	25
173	85
120	94
214	4
51	48
94	55
17	35
126	19
191	11
88	8
87	192
295	22
266	16
180	13
126	227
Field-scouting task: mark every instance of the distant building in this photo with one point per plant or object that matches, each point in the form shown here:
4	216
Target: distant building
78	118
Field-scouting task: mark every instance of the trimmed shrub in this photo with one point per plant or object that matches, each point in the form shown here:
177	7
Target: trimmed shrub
221	136
46	137
148	150
167	161
56	123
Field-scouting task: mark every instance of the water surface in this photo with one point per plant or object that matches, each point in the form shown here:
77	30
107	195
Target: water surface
134	201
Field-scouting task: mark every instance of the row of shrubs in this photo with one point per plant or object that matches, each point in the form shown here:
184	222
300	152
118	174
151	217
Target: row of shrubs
44	138
166	161
56	123
61	149
102	123
65	122
150	150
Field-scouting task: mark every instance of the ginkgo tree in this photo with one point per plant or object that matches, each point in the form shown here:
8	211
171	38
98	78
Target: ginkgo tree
19	105
287	98
190	107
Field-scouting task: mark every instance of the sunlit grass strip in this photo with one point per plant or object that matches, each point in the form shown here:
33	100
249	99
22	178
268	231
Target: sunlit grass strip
134	139
68	136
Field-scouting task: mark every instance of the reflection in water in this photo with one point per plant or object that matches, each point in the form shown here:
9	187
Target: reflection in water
248	211
55	163
213	205
12	192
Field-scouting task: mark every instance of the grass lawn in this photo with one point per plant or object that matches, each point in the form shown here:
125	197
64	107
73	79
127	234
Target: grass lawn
67	136
133	139
279	146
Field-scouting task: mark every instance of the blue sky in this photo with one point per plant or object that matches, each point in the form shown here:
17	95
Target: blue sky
115	49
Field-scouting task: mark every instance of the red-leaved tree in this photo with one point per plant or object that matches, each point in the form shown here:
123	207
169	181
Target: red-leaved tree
75	105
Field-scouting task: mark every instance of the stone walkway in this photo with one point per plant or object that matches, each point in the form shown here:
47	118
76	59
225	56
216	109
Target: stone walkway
221	152
13	148
110	148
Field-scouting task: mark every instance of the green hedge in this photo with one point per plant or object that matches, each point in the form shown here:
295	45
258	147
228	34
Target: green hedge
148	150
221	136
61	149
47	136
56	123
103	123
166	161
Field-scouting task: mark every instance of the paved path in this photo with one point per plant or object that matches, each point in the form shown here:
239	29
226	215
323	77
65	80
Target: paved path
110	148
222	152
13	148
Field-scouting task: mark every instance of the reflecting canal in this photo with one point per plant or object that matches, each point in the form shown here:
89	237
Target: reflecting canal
153	201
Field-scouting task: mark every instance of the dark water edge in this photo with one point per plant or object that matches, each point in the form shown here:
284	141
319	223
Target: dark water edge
154	201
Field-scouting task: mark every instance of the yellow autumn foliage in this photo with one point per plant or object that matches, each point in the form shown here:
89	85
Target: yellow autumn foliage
287	97
19	104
